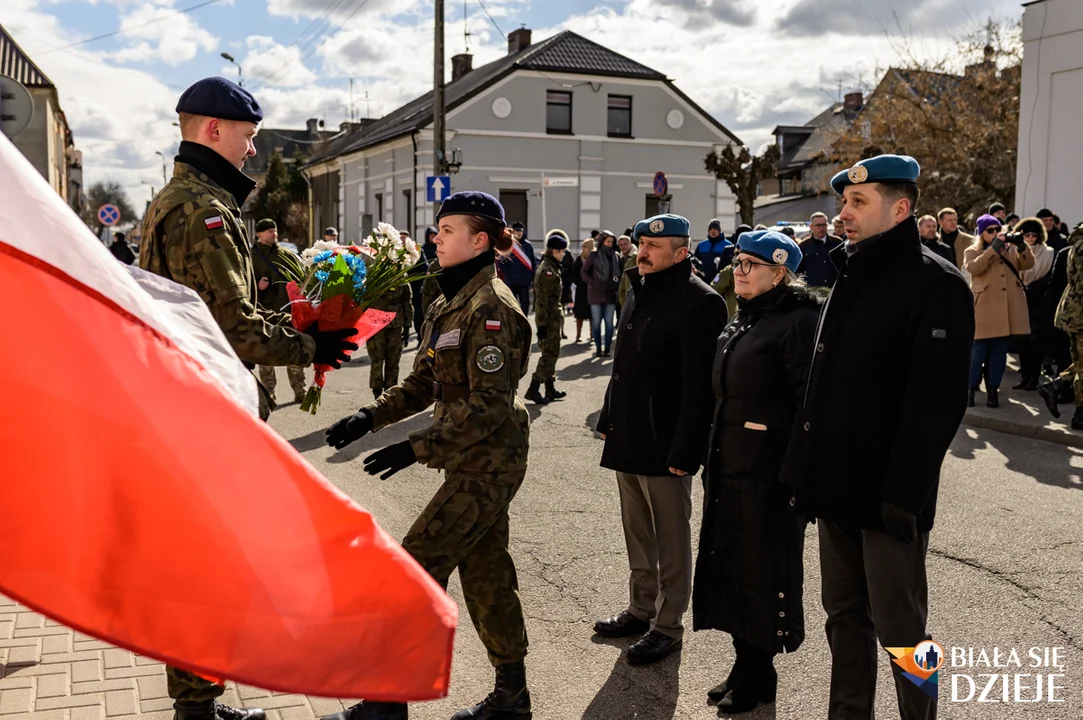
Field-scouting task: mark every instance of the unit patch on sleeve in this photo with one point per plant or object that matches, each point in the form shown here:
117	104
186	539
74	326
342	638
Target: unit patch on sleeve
490	358
213	223
493	325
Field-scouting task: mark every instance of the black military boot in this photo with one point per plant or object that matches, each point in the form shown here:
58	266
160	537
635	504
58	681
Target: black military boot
213	710
551	392
533	393
509	700
1077	419
749	689
371	711
992	399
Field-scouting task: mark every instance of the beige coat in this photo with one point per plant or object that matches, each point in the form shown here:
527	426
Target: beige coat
1000	305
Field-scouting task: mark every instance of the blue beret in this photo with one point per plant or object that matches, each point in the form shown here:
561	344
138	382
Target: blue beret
772	247
472	202
882	168
217	97
661	226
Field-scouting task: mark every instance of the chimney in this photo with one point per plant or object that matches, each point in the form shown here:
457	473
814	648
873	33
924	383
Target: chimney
461	64
312	124
853	101
518	40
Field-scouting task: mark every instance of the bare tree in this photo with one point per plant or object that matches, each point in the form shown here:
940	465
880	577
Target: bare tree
958	116
743	171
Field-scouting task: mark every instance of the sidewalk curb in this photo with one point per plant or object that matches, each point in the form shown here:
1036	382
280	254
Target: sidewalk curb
1013	427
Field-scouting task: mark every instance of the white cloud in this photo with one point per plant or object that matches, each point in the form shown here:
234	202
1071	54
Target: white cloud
266	60
173	39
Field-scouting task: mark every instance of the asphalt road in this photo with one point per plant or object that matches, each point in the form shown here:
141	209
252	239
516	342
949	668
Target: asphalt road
1005	565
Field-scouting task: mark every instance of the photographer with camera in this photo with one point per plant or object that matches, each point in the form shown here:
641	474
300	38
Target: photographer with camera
994	262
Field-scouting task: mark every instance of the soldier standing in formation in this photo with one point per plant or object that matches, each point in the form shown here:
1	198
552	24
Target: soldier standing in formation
192	234
476	343
1069	318
549	317
276	266
385	347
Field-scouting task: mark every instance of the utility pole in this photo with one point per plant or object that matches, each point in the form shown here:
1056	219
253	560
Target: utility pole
438	166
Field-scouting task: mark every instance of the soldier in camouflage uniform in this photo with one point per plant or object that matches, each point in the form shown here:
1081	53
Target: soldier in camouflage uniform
549	319
385	347
475	350
274	267
1069	318
430	290
192	234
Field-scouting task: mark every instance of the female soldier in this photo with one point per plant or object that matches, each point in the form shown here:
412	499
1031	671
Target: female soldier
749	572
549	317
476	346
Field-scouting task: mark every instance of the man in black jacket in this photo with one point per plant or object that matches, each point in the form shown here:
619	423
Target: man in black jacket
655	421
876	425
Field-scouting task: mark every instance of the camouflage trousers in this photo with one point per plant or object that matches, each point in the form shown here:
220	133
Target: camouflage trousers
546	369
465	526
385	352
185	686
295	373
1076	370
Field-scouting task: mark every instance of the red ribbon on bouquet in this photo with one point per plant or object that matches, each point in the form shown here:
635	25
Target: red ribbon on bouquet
336	313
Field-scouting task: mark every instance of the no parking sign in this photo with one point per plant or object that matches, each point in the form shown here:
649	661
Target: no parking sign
109	214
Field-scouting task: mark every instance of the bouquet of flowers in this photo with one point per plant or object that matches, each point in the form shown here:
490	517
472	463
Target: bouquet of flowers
341	284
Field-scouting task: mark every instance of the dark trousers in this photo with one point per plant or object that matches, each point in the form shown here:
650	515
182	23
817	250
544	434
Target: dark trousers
874	588
522	294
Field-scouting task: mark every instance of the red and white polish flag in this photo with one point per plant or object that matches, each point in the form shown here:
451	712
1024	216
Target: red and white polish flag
142	501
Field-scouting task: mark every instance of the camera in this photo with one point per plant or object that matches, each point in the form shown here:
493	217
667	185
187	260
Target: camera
1015	239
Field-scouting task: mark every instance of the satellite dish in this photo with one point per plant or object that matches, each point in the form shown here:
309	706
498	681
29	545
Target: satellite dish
16	106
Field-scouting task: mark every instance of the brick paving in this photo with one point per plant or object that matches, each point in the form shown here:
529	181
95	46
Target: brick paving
50	672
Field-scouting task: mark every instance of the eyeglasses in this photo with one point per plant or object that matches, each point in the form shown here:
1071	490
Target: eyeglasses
1030	234
745	266
992	230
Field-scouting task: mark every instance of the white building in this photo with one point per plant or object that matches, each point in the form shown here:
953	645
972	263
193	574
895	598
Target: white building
566	109
1050	168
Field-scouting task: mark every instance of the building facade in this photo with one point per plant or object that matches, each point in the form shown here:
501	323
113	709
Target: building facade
47	141
566	133
1049	172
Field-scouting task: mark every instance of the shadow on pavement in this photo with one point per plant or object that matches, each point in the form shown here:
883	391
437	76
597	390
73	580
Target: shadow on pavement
1027	456
586	368
644	693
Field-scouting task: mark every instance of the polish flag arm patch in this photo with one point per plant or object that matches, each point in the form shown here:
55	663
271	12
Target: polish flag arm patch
213	223
492	325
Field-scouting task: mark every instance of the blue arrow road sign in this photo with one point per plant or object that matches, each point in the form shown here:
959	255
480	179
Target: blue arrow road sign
108	214
438	187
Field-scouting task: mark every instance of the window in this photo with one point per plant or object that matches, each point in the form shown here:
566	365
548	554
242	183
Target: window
619	116
558	112
379	207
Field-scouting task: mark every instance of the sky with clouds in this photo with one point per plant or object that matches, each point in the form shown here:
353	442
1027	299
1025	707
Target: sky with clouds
753	64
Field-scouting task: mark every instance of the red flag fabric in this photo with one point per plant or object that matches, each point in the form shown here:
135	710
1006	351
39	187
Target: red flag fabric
145	505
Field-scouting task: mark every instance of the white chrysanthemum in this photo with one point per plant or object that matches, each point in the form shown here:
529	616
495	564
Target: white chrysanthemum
321	245
412	251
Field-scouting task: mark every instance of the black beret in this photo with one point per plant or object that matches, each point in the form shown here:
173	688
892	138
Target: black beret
266	224
472	202
220	98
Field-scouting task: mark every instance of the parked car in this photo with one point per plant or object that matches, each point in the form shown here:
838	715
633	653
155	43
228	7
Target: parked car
800	228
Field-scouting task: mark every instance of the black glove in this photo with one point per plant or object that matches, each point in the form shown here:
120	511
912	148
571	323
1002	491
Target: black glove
331	345
898	523
392	459
346	430
542	332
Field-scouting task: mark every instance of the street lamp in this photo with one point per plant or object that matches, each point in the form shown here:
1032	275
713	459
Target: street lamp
240	75
164	181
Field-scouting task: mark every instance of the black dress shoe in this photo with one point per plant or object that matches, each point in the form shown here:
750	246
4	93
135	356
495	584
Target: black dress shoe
371	711
653	646
214	710
624	625
1048	392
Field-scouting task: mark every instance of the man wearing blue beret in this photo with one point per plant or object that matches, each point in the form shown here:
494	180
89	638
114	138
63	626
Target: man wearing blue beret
875	426
193	235
655	421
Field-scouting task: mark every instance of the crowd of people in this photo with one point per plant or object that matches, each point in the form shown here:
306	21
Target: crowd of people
798	405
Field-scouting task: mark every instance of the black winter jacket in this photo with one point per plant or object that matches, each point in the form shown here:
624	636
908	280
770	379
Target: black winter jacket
657	410
750	571
888	383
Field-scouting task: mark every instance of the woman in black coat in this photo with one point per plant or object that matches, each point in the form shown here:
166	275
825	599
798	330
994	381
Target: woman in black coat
749	572
581	306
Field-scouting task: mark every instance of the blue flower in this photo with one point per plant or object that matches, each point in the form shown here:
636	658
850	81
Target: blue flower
322	275
321	257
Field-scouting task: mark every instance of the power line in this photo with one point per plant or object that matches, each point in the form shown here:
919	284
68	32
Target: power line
491	19
306	38
133	27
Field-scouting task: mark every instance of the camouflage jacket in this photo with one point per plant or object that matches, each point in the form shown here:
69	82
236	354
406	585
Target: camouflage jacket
475	351
398	301
279	265
1070	310
547	287
430	289
192	234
